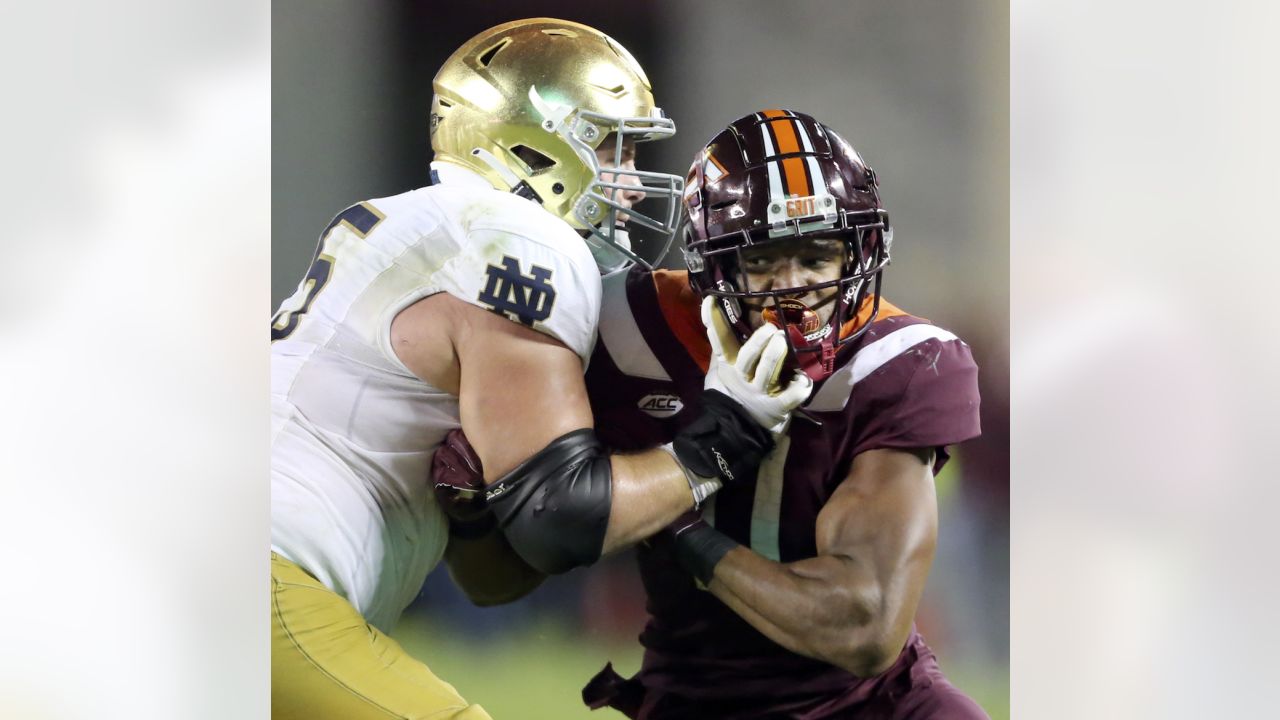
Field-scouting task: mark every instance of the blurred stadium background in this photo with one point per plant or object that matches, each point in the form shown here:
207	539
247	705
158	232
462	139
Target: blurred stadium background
921	89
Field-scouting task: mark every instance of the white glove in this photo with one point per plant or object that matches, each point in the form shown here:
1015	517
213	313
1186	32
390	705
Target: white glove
750	374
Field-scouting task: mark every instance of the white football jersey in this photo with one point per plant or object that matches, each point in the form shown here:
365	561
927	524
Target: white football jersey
352	430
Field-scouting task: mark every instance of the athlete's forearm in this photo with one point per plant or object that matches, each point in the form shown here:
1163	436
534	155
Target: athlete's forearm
649	491
820	608
488	570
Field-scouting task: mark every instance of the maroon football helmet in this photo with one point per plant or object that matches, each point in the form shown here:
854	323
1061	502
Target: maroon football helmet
779	179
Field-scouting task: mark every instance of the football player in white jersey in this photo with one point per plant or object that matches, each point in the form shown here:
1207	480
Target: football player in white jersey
473	303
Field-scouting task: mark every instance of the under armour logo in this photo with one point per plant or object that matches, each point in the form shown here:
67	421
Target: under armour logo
495	491
516	296
724	465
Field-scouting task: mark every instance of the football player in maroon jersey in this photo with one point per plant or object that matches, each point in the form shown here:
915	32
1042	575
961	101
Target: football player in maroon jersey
793	597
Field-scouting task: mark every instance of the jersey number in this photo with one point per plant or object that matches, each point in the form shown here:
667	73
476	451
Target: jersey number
360	219
286	321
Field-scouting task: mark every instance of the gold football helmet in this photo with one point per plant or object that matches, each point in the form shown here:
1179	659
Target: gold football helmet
527	103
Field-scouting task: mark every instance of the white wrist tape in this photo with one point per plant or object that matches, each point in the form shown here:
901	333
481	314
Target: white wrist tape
701	487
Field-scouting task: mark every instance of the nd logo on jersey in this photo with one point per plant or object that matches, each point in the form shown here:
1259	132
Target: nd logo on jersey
519	297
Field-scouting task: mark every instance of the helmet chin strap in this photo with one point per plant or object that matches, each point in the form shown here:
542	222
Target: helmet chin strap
622	237
610	256
503	171
514	183
809	351
817	363
553	114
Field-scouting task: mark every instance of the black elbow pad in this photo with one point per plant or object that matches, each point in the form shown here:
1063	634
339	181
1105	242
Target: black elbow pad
554	507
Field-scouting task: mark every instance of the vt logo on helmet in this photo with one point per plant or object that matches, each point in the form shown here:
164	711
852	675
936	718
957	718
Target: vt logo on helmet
528	104
785	225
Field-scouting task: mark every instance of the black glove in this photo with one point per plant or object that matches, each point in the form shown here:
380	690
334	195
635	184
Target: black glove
723	442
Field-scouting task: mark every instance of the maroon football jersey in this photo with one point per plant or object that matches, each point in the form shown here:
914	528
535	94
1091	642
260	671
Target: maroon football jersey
904	384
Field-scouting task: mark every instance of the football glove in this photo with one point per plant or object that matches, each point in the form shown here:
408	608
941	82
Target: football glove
750	374
743	406
458	476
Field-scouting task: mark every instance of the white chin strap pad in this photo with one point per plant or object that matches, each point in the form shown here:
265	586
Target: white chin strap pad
503	171
622	237
552	115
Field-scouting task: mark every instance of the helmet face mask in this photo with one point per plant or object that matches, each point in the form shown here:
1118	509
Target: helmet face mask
761	230
597	211
526	105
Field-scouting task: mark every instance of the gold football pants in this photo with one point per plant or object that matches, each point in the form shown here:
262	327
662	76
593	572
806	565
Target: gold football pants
327	662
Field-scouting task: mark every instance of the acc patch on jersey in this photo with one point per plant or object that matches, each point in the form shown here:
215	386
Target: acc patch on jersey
660	405
524	298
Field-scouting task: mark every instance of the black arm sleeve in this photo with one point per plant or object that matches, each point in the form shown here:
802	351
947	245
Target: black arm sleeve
554	507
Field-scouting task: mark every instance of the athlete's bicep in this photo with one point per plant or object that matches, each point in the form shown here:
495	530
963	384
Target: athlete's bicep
884	520
519	389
